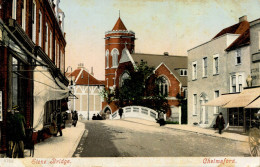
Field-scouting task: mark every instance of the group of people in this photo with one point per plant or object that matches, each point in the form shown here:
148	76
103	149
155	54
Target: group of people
98	117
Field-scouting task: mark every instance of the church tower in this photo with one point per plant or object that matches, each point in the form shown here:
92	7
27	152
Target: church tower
115	41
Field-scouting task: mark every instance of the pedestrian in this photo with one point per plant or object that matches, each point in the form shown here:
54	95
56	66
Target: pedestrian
94	117
161	118
99	117
120	112
16	133
74	118
59	121
220	122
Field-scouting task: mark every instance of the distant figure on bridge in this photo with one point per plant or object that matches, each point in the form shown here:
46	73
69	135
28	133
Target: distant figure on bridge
94	117
120	112
161	118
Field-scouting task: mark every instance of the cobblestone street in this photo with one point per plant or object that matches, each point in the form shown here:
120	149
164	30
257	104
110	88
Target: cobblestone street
122	138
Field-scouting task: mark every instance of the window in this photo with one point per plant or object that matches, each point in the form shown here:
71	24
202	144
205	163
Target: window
14	8
238	56
216	95
236	83
240	87
124	76
50	45
34	22
194	70
15	82
24	15
46	39
183	72
194	104
205	66
215	64
58	56
40	28
163	86
233	83
114	54
258	40
107	58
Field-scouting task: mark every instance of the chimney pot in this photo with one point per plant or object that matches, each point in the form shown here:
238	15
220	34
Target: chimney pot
242	18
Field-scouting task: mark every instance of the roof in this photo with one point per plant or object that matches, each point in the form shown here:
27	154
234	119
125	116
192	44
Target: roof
172	62
241	28
119	25
81	77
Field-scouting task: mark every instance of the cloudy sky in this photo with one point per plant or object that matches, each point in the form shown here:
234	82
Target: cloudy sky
160	25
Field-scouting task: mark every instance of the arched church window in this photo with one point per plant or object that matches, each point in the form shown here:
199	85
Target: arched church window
163	86
114	54
123	77
107	58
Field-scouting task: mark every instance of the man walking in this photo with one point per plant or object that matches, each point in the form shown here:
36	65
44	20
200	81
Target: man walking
59	121
220	122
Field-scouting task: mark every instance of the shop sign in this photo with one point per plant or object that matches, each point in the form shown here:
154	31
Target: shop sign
1	106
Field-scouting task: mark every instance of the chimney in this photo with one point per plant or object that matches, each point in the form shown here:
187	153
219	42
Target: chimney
81	65
242	18
166	54
92	72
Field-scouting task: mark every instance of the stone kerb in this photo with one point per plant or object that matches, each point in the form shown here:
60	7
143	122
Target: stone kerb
137	112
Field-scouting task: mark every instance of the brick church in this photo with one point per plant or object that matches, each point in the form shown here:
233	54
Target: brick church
120	55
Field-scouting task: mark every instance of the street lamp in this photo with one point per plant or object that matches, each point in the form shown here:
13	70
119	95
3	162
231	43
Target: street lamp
88	95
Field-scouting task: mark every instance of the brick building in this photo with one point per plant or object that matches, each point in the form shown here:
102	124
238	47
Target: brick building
121	58
32	61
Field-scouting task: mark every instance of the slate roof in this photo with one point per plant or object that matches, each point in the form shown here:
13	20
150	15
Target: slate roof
119	25
241	28
174	63
83	78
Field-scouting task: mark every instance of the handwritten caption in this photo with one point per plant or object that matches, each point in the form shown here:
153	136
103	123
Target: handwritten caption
51	161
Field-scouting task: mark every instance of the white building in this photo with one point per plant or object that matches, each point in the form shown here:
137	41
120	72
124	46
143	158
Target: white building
87	89
216	67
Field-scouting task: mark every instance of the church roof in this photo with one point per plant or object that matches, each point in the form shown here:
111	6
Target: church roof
81	77
174	63
119	25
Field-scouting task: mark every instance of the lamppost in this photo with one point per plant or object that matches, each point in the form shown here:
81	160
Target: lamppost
88	95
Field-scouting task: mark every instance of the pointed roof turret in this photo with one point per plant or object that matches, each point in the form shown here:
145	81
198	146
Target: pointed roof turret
119	25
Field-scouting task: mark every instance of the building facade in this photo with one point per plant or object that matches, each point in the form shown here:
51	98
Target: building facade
222	65
32	54
87	90
173	69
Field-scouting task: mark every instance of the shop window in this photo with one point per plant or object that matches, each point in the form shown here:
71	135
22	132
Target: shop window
15	82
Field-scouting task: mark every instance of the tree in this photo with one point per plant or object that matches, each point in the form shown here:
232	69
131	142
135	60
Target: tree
141	88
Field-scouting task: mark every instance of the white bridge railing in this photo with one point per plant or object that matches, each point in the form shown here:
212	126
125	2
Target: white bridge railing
137	112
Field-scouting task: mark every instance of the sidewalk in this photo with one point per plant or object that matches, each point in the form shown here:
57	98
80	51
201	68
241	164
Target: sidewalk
60	146
194	129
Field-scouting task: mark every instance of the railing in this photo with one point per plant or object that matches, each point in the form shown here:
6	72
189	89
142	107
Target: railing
137	112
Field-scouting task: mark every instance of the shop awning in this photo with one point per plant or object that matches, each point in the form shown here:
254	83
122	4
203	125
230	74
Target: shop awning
46	88
246	97
221	100
254	104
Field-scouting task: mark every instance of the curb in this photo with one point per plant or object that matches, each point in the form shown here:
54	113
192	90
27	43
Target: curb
73	149
206	134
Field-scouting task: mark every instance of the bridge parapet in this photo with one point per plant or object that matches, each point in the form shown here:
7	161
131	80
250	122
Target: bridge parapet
137	112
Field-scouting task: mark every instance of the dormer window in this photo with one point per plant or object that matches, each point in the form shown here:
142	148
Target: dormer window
183	72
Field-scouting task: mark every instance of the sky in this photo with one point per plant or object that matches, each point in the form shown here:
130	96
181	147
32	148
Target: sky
173	26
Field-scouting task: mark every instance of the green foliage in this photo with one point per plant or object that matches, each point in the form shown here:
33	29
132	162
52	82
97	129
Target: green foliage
141	88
